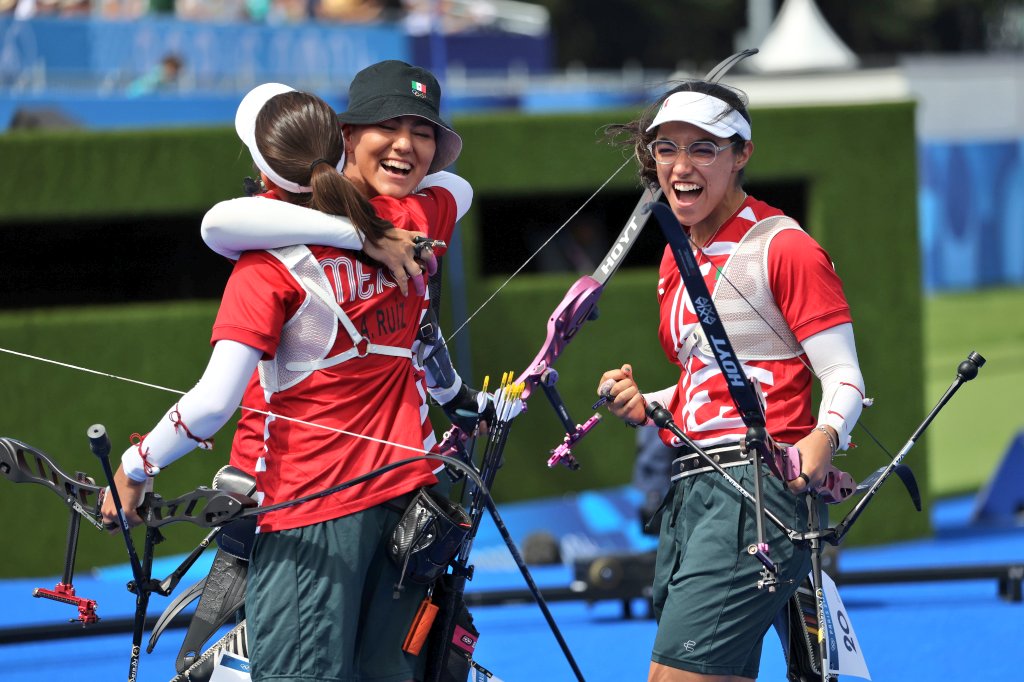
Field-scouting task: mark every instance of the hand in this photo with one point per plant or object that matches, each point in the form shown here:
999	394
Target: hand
624	399
424	248
397	252
815	456
469	409
131	493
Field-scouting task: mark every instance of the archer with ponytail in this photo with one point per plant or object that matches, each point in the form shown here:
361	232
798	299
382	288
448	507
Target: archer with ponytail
331	333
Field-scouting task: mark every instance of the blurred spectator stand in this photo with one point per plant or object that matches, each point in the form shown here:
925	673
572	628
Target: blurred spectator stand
104	57
348	11
164	77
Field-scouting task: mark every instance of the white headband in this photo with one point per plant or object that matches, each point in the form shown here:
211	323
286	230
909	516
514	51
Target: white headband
704	111
245	125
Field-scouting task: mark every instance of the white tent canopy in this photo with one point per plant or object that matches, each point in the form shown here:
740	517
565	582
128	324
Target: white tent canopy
801	40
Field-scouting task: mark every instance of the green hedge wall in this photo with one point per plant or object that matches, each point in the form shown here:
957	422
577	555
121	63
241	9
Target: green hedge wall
861	206
95	175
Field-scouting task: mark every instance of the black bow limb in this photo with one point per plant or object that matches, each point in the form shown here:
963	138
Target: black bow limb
966	371
21	463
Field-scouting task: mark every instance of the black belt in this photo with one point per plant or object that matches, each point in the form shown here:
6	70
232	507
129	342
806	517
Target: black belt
728	455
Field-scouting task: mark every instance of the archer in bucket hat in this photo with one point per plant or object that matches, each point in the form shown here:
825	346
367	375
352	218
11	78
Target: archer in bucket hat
392	88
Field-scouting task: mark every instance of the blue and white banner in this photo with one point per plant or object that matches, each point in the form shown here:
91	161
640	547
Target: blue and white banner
971	203
845	656
231	668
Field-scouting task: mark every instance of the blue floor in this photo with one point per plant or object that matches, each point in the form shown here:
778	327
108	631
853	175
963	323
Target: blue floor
958	631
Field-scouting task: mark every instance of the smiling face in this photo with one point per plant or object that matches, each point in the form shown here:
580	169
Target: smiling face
701	197
389	158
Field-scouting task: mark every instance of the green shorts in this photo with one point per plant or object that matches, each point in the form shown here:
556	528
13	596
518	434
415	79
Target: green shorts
320	604
711	615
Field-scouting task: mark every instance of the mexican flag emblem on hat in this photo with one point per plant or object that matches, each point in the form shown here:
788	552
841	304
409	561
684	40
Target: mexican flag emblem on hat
390	89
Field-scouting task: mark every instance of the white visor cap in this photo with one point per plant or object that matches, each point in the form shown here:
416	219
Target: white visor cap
704	111
245	125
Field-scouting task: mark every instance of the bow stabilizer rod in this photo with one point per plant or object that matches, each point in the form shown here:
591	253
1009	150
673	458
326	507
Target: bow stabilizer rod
99	443
142	585
965	371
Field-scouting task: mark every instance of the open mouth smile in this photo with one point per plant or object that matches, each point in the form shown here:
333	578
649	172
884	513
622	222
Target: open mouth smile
687	191
397	167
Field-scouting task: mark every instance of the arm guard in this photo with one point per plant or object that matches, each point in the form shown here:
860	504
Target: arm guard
443	382
465	406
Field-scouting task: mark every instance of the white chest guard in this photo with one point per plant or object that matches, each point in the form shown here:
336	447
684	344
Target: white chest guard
308	336
745	302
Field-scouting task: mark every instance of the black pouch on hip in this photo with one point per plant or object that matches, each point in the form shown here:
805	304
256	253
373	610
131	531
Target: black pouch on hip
427	537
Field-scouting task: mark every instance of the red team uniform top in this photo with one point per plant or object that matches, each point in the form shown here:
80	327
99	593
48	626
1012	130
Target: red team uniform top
377	396
809	295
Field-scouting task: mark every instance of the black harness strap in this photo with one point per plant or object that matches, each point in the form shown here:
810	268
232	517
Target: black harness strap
742	392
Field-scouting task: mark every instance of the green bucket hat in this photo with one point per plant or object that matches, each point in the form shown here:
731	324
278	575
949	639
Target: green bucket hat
390	89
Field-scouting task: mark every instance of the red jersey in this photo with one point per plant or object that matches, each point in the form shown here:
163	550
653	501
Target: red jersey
810	297
376	396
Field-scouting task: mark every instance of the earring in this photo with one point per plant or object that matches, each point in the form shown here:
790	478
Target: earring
253	186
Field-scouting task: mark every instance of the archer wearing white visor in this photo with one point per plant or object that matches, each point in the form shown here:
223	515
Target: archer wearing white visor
785	315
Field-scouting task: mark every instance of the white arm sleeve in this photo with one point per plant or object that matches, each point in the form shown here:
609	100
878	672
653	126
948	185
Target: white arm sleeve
204	409
833	355
662	396
253	223
456	186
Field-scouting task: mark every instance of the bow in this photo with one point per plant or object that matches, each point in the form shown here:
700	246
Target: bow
23	464
577	307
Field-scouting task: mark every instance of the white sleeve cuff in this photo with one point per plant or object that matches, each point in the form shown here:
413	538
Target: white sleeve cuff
134	467
662	396
459	188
